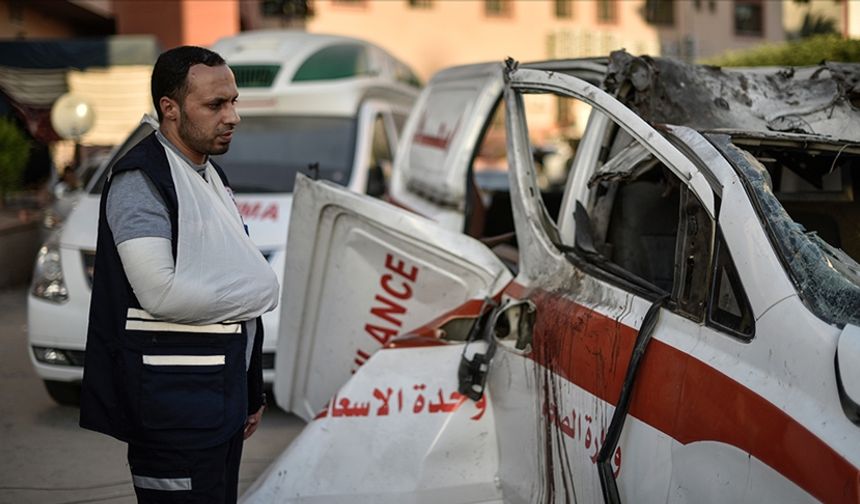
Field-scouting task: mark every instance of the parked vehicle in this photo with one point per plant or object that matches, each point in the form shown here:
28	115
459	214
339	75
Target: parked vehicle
314	103
684	328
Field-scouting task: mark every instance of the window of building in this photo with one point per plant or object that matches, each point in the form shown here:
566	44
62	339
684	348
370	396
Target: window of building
497	8
749	17
420	4
286	9
660	12
564	9
607	11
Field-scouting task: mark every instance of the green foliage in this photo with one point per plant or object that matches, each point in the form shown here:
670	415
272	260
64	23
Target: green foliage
14	154
810	51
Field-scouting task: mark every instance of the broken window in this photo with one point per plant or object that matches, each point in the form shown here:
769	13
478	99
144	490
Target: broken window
642	227
805	192
634	214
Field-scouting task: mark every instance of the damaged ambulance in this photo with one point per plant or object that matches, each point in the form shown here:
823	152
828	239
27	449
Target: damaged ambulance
662	306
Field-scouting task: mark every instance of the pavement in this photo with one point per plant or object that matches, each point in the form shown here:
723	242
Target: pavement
47	459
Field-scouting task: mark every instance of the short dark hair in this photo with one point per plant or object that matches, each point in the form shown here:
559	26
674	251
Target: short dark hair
170	74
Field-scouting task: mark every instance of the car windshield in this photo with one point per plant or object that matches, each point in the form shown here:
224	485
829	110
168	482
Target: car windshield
807	194
268	151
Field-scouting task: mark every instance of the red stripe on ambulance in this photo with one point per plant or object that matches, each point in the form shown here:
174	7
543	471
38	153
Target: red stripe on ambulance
682	396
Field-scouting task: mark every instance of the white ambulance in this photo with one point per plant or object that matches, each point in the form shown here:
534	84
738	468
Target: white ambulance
678	322
323	105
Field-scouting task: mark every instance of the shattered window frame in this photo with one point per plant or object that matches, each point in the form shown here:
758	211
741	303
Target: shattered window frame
694	231
819	272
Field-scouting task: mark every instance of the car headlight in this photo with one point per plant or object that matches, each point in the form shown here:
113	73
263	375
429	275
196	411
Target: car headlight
48	282
51	356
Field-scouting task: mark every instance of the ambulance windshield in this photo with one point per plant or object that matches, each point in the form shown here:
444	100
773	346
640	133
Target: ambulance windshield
268	151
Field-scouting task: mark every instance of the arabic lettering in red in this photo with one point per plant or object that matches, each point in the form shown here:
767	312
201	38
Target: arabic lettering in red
384	397
440	140
340	406
571	426
419	401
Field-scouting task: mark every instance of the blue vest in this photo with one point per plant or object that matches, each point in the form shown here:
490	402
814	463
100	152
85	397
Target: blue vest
138	385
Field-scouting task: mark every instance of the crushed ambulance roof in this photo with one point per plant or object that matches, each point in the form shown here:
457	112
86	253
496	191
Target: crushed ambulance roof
818	100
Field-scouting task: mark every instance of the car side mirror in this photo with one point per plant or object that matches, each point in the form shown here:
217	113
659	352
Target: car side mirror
513	325
848	371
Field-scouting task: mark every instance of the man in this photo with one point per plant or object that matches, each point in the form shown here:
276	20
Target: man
173	357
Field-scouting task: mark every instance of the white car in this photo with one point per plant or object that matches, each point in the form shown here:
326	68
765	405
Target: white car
682	327
326	105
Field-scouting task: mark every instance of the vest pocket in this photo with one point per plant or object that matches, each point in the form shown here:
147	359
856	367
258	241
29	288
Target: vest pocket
182	391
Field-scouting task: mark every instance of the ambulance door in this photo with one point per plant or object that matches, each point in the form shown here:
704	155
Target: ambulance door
376	142
360	272
575	422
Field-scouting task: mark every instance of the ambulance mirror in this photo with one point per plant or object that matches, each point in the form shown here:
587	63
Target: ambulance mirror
513	326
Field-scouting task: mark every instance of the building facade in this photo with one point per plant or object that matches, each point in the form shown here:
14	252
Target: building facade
433	34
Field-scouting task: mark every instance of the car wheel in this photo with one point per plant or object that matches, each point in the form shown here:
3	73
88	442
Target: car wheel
64	393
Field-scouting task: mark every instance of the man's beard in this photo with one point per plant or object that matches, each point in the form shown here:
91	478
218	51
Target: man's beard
195	138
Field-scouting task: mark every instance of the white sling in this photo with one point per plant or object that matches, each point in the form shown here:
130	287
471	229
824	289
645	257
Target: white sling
219	273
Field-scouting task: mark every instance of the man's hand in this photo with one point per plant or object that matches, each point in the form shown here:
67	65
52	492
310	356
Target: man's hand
253	422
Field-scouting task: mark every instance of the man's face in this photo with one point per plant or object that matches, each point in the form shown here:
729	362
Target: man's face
208	111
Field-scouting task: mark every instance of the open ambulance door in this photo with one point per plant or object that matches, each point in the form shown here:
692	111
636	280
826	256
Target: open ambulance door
360	272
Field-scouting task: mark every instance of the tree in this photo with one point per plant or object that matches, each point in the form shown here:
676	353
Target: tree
14	154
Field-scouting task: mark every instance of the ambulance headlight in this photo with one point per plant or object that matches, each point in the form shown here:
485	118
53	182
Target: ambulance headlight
51	356
48	282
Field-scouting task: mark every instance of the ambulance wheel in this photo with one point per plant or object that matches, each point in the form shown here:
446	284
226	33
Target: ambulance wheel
64	393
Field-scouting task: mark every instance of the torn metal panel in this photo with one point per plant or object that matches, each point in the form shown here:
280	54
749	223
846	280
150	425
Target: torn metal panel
820	100
628	164
827	278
